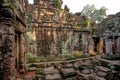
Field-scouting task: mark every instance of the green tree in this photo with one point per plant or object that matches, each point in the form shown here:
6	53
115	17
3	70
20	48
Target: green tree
88	10
95	15
98	15
57	3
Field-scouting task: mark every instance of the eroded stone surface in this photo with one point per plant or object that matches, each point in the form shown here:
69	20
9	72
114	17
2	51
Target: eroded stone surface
68	72
104	69
99	78
50	70
78	64
71	78
86	71
101	74
68	66
53	77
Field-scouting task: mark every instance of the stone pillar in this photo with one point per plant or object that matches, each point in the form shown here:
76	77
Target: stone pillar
7	62
101	45
22	54
55	42
108	47
118	45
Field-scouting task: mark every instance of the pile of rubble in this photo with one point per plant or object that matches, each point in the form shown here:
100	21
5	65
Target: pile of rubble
88	69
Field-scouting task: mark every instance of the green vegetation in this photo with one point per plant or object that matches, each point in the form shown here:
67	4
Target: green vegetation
41	72
57	3
95	15
67	56
31	57
86	23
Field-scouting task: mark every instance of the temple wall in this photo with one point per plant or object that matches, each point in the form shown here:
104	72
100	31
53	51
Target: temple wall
12	38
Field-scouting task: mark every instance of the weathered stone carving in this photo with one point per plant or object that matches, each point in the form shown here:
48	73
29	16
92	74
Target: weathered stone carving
109	29
118	45
8	61
108	47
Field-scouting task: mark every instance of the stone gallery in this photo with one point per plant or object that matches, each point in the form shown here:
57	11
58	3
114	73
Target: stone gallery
43	41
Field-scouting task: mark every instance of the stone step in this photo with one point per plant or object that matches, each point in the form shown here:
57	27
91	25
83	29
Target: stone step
50	70
53	77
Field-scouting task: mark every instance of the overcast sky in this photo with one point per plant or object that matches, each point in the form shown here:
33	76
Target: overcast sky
77	5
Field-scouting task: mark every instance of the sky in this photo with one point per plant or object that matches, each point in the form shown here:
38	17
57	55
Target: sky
113	6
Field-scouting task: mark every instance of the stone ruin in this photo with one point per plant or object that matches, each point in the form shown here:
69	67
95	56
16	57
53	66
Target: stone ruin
109	30
12	38
58	31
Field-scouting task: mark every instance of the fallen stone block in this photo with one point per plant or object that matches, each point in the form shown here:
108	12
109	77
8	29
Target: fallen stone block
68	72
50	70
87	63
78	64
68	66
71	78
53	77
99	78
104	69
86	71
40	76
101	74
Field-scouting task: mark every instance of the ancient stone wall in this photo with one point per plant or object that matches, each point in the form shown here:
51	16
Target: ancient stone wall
109	30
7	62
55	26
12	38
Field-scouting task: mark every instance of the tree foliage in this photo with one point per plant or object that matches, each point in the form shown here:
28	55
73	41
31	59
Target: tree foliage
86	23
96	15
88	10
57	3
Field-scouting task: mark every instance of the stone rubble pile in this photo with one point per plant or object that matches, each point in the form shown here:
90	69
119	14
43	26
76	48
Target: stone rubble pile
86	69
